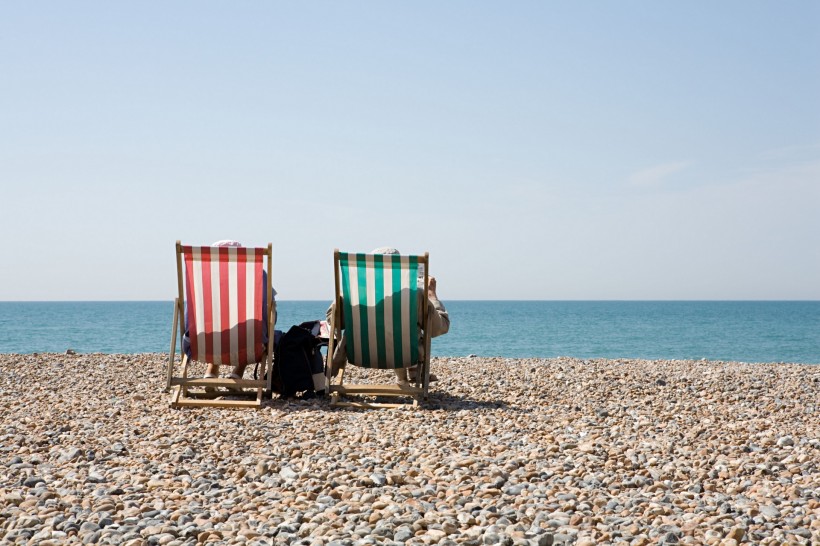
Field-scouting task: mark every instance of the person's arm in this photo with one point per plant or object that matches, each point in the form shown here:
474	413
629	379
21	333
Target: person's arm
439	318
339	357
329	315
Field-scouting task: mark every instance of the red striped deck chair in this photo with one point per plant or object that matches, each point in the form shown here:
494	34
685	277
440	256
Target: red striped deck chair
379	305
223	301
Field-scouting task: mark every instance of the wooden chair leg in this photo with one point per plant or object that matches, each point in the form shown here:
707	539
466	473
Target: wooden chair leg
170	371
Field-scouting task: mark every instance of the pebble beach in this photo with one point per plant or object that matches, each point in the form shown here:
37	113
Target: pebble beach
523	451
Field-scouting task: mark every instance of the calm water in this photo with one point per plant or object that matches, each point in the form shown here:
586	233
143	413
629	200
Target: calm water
742	331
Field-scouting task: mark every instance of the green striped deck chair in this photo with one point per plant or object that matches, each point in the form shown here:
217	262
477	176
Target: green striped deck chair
380	303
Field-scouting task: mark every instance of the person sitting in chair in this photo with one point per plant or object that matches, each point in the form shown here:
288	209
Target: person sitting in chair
213	369
439	325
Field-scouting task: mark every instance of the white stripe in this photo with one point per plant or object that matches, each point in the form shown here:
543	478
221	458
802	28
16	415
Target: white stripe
199	299
370	283
388	313
405	308
216	308
233	302
250	301
353	277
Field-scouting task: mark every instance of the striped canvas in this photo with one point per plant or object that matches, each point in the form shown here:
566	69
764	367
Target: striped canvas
223	288
380	308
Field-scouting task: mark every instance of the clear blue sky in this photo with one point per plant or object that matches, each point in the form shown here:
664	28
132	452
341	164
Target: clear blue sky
537	150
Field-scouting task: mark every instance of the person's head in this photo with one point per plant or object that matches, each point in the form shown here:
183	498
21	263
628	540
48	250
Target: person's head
385	250
227	242
391	250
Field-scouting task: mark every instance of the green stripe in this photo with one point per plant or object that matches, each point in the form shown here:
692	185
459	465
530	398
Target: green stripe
414	309
364	334
347	306
398	327
378	263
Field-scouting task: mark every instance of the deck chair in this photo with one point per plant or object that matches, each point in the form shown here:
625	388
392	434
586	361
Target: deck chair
378	308
223	298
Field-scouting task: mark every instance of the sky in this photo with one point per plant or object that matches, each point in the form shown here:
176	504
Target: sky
537	150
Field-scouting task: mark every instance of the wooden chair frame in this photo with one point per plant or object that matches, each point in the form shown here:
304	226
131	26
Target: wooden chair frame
182	397
418	391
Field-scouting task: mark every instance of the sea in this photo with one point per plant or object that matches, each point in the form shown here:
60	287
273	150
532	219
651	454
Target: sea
743	331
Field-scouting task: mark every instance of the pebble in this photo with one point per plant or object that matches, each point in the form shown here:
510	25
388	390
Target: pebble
518	452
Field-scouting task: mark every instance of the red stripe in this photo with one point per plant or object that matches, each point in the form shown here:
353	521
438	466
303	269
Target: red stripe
258	346
190	298
241	289
208	304
224	301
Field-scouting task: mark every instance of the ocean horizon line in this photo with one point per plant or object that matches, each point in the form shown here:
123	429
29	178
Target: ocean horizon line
481	300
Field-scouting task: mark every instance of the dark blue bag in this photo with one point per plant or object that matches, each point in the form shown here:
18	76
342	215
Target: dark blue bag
298	365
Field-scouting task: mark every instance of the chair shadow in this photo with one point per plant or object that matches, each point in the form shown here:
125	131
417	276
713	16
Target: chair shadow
437	401
447	401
